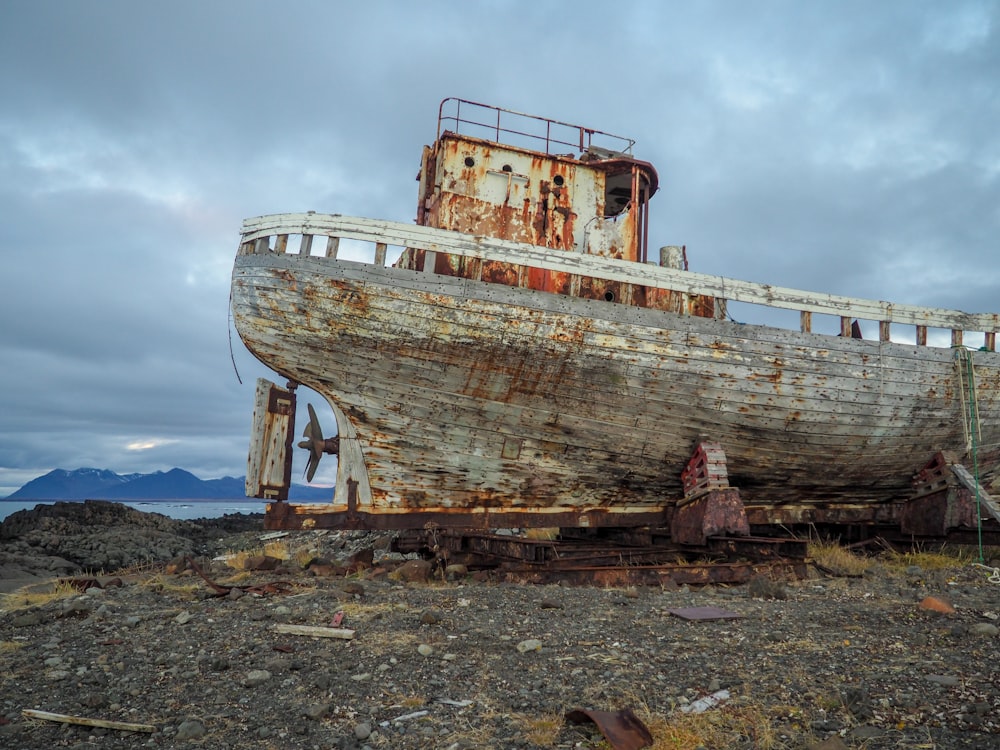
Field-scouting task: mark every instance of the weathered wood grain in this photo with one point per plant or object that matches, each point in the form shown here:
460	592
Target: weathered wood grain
460	394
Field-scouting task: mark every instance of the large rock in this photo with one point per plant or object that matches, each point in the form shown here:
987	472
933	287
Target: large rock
96	535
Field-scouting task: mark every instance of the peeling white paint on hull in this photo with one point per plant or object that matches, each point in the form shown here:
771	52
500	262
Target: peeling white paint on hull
468	395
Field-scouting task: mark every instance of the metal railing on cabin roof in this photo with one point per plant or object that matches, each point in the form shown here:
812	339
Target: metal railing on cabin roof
498	125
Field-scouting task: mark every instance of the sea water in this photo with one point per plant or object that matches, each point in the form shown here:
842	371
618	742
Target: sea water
179	509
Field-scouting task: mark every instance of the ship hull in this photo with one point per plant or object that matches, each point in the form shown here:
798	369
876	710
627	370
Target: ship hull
458	398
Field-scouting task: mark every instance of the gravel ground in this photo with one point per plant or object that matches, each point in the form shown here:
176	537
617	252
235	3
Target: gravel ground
826	662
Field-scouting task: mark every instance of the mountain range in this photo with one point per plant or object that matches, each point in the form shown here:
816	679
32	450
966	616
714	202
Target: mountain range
176	484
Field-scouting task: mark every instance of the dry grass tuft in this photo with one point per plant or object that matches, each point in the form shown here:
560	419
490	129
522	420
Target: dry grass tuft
543	533
839	560
36	596
237	559
543	730
726	726
734	723
946	558
408	701
7	647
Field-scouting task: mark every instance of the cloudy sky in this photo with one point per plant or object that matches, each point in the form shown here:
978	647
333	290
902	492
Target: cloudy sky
849	147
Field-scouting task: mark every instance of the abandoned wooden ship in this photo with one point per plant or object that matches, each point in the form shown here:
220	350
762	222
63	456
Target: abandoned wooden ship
517	359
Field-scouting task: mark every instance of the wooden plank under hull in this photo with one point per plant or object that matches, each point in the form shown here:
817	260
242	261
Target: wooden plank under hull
462	396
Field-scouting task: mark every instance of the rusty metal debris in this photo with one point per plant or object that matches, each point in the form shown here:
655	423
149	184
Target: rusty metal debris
638	558
622	729
703	613
272	587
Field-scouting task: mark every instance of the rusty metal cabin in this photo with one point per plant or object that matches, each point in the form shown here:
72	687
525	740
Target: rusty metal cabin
507	175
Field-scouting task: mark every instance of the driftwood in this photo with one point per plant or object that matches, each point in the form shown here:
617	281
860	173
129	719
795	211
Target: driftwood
67	719
342	633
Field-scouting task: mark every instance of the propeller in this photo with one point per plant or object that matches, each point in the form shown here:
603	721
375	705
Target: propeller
316	444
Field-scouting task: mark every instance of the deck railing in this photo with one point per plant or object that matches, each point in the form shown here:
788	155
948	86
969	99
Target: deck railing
517	128
271	234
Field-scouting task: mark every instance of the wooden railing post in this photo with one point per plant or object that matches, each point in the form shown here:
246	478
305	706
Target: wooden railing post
332	246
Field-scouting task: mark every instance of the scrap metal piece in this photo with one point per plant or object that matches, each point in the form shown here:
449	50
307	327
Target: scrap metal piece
272	587
82	584
622	729
704	613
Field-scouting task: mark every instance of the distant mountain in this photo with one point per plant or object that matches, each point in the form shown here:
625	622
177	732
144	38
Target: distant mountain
176	484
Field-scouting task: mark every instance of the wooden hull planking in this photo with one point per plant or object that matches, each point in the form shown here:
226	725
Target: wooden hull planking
457	396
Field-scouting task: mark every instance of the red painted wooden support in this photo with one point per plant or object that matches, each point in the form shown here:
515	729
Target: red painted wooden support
705	470
710	506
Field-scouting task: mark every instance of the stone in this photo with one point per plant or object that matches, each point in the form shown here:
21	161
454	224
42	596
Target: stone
363	730
261	562
191	729
183	618
424	650
256	677
762	587
866	732
413	571
317	711
830	743
987	629
455	571
431	616
28	620
529	644
942	679
361	559
353	588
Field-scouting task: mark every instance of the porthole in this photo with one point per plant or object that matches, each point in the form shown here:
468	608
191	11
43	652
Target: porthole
558	180
469	161
609	296
507	168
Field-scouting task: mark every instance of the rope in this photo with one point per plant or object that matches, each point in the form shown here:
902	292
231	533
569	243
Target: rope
994	576
965	356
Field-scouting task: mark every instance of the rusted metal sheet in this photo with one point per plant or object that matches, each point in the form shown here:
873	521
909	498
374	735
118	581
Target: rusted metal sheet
622	729
712	513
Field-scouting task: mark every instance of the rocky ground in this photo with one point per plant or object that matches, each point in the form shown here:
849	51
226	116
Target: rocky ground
425	662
